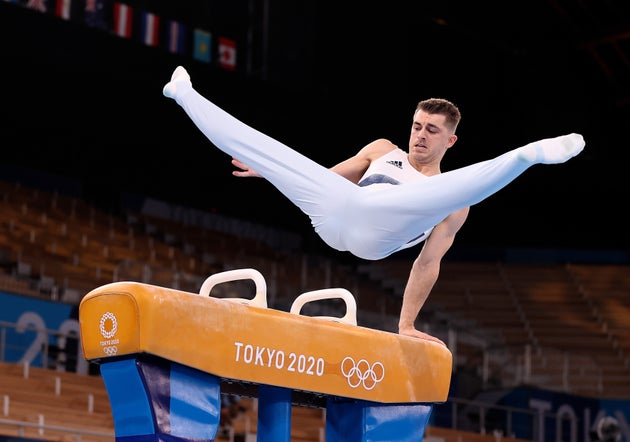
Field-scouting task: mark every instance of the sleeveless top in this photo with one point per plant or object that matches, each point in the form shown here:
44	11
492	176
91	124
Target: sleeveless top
391	169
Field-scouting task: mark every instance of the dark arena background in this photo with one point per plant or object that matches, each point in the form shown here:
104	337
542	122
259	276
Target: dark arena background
104	179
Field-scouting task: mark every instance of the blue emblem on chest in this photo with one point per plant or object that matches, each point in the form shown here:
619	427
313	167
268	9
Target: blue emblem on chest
377	178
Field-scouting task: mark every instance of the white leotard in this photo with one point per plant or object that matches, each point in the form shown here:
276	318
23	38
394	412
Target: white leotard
394	168
391	168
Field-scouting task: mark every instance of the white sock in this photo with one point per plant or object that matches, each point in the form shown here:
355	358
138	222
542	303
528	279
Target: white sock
552	150
179	80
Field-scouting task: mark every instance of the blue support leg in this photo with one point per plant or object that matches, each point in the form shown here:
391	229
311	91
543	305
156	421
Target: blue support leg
274	414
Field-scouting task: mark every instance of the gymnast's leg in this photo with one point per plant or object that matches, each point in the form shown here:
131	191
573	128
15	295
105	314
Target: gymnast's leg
371	223
471	184
315	189
401	213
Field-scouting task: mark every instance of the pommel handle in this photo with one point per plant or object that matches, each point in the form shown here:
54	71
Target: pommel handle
259	299
351	305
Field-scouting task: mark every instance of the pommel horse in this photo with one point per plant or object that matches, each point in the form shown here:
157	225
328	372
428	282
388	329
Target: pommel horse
167	355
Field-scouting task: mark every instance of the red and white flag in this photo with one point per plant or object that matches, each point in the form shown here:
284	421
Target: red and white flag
150	27
227	53
122	20
63	9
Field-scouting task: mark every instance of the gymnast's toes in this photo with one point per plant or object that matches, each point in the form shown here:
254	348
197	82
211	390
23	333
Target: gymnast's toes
179	77
180	74
574	144
169	90
552	150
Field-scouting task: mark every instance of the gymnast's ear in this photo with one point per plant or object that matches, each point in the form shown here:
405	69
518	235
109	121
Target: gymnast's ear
451	140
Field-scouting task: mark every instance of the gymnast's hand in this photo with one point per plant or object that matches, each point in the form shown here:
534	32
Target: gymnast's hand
245	170
414	333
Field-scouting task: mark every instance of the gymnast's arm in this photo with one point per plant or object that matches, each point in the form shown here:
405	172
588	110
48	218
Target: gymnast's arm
352	169
425	271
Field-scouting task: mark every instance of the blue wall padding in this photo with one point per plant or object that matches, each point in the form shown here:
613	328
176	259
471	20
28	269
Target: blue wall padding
195	403
131	408
361	421
156	376
154	400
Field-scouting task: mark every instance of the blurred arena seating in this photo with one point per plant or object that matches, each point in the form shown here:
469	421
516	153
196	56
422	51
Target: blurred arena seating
44	404
561	327
555	326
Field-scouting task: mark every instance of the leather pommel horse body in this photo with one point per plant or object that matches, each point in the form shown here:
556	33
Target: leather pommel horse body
165	356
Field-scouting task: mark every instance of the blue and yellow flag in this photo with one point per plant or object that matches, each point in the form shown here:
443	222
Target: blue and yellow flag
202	42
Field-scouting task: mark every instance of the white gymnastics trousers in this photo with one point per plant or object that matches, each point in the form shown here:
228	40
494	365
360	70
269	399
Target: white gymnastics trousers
369	223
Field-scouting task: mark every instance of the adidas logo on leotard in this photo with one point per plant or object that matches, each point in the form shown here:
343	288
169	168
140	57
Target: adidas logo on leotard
395	163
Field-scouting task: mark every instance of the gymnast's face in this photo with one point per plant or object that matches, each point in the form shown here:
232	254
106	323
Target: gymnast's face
430	138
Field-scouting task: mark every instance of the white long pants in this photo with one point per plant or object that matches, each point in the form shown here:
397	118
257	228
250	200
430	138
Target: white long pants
369	223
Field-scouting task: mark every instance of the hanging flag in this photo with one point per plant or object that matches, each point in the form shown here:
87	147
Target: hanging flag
38	5
227	53
201	49
150	24
122	20
63	9
94	14
175	37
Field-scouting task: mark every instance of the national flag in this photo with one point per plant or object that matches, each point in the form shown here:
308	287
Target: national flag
63	9
150	24
201	49
38	5
122	20
227	53
175	37
94	14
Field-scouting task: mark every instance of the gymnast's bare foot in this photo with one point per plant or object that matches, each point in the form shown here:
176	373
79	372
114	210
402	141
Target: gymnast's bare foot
412	332
552	150
179	78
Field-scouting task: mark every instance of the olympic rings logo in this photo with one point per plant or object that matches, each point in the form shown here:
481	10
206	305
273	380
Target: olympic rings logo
110	350
362	373
107	334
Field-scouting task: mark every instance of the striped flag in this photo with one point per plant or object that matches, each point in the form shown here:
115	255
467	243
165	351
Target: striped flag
122	20
227	53
63	9
150	25
175	37
201	49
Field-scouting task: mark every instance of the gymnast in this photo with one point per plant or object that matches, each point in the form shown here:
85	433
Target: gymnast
383	199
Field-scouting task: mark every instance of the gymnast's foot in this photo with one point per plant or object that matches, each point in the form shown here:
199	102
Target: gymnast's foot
552	150
179	78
